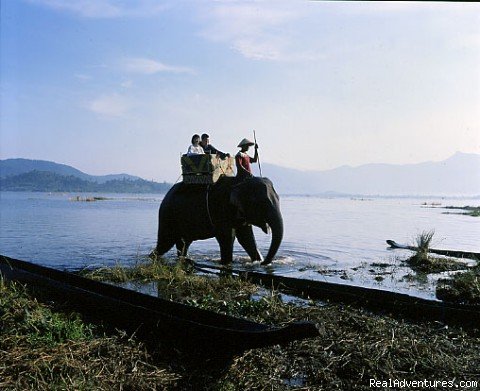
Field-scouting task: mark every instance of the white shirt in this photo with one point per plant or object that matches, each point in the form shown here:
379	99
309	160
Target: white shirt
195	150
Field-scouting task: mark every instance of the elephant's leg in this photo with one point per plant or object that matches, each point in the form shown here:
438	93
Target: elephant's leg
164	242
225	239
163	245
247	240
182	247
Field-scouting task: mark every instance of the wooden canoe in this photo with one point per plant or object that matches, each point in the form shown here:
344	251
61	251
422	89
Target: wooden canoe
378	300
448	253
155	319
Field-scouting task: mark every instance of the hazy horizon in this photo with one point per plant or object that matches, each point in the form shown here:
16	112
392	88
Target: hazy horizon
368	179
274	164
121	86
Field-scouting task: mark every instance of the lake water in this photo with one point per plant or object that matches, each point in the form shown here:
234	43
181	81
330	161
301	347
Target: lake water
333	239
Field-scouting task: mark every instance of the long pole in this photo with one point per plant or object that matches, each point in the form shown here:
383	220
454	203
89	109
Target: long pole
258	156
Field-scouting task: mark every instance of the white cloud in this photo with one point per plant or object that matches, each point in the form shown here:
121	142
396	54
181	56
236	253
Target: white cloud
147	66
105	8
255	29
110	105
277	30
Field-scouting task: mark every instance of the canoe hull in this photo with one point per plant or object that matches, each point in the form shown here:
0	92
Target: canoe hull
155	320
379	300
448	253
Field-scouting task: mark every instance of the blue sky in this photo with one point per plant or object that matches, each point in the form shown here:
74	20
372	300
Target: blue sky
120	86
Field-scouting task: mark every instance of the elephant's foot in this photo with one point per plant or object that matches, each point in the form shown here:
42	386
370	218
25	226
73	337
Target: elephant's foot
162	248
257	257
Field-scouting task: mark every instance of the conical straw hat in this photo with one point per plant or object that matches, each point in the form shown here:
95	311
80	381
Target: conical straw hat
245	141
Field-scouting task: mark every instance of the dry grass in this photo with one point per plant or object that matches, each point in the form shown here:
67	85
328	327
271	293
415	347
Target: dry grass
41	349
353	347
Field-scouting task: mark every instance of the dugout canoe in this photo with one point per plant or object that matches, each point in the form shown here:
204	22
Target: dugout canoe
378	300
155	319
448	253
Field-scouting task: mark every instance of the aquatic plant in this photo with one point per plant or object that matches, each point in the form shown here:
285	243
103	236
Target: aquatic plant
473	211
423	241
420	259
461	287
422	262
177	281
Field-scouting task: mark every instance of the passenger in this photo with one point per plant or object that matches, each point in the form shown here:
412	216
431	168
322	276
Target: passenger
242	160
195	148
209	148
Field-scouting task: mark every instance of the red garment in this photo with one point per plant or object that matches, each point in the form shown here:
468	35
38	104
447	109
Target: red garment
242	161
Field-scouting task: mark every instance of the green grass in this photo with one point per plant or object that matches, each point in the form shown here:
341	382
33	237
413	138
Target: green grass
36	321
44	348
177	282
461	288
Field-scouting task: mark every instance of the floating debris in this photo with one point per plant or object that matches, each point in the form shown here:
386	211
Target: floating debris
88	199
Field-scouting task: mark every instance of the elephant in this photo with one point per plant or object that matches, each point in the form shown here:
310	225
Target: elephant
225	210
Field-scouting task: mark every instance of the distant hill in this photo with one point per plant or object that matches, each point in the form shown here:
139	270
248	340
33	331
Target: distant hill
39	175
10	167
457	175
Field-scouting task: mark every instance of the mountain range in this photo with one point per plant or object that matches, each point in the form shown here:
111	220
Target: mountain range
458	175
41	175
12	167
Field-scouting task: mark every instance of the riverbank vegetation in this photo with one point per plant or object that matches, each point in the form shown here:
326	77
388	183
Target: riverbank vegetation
43	346
473	211
52	182
462	286
423	262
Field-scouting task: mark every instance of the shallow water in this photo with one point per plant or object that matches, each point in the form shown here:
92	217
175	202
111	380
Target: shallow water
333	239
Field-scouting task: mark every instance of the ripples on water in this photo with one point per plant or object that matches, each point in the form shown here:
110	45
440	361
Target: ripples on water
335	239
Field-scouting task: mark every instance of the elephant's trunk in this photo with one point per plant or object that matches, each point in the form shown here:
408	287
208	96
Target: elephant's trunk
275	221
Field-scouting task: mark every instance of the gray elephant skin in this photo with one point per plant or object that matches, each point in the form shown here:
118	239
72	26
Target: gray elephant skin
225	210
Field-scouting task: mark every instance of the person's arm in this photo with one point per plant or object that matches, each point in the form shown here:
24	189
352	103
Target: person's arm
254	159
222	155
